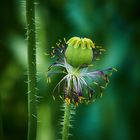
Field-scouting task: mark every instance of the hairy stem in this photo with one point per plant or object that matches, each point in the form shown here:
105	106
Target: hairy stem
66	121
32	82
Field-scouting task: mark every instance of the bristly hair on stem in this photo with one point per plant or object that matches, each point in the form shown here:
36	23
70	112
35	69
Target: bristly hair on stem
66	122
32	81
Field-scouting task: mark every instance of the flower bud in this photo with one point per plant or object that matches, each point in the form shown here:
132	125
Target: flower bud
79	51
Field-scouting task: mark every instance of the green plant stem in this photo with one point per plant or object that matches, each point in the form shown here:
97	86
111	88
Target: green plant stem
66	123
32	82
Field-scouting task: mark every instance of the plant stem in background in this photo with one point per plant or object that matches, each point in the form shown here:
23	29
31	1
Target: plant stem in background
66	121
32	82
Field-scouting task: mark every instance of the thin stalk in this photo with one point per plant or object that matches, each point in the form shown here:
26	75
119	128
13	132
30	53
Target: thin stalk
32	82
66	121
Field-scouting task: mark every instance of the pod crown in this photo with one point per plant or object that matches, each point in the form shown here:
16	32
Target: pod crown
81	42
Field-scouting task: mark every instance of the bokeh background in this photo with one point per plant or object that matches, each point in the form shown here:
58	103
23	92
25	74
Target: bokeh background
113	24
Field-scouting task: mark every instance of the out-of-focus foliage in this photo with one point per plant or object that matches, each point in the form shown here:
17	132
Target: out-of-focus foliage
113	24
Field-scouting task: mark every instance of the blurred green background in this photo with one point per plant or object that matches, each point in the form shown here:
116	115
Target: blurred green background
113	24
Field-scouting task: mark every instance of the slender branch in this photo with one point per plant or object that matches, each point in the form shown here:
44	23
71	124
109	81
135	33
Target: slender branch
66	121
31	36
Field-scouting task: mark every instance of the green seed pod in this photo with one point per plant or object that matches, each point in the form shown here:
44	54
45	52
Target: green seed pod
79	51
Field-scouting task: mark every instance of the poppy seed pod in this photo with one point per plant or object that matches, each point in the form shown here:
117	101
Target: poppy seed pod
82	84
79	51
